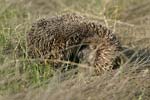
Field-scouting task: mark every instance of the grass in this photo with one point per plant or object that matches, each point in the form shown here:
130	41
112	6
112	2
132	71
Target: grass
21	78
14	64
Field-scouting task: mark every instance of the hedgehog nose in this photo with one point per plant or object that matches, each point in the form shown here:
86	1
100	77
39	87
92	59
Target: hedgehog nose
80	55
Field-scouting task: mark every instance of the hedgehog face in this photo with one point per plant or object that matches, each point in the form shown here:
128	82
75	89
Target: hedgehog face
87	55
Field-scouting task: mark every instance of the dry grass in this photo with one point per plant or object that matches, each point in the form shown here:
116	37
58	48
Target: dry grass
24	80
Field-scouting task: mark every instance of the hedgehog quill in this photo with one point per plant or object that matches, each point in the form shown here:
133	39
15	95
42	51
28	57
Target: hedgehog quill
74	38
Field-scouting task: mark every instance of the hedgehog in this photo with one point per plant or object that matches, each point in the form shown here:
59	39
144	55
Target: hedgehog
74	38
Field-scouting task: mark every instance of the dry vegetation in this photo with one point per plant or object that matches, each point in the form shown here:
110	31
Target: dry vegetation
24	80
